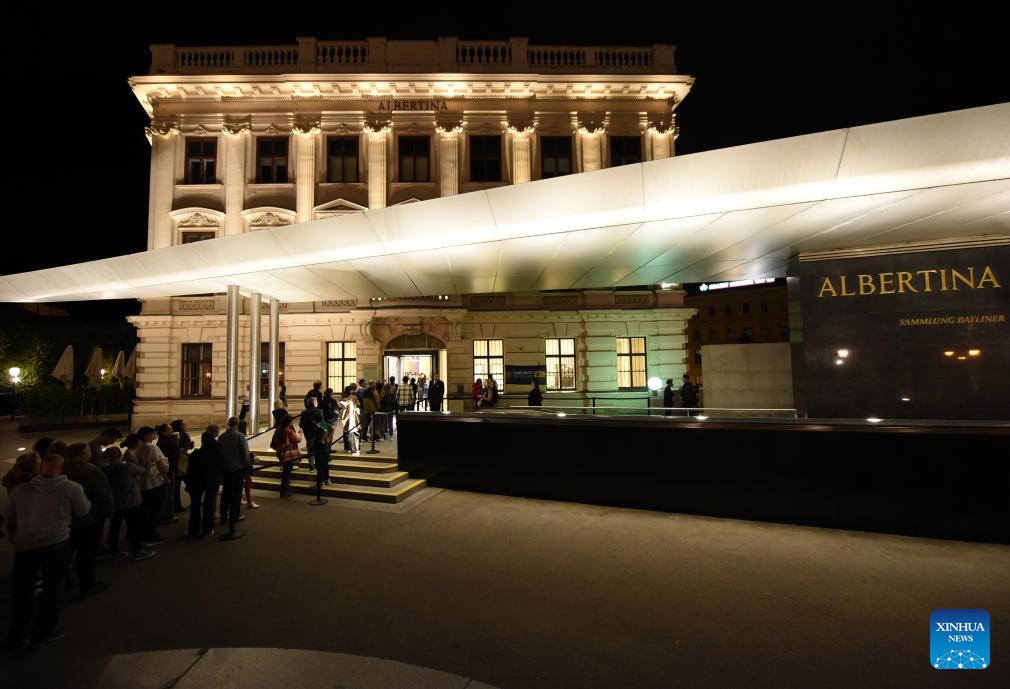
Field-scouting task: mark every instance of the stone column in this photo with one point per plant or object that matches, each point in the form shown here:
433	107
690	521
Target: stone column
165	142
255	309
231	357
662	134
448	148
305	169
377	164
519	143
236	136
591	142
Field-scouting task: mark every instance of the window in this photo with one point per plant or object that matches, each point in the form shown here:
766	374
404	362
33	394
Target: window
746	307
190	237
555	156
414	157
341	365
560	364
730	333
265	367
201	161
696	335
485	158
784	330
711	333
196	369
697	357
489	358
766	329
729	309
625	150
711	310
630	363
342	161
272	160
764	307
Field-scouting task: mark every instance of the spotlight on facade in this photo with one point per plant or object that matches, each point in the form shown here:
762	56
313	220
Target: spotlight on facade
561	413
974	352
874	419
701	417
906	399
842	354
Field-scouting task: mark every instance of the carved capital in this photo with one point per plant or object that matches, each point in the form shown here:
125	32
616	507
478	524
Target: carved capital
664	126
521	125
591	124
236	126
449	126
365	330
162	127
378	125
306	125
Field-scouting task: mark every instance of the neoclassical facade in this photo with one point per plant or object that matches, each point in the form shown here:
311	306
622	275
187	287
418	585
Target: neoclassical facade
247	138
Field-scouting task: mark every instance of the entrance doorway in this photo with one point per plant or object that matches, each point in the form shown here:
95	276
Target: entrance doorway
414	356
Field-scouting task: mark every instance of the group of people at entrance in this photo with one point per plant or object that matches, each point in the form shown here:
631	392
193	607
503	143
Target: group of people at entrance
688	396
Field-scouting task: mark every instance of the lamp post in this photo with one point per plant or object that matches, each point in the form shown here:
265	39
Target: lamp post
15	373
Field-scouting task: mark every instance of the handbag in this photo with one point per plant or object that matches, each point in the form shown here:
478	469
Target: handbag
289	454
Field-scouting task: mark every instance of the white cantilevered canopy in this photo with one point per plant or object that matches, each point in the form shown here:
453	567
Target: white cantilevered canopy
729	214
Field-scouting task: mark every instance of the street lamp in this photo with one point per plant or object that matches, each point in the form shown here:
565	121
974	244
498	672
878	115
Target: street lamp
15	377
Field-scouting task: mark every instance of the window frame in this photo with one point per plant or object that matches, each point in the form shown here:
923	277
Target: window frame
485	159
558	359
552	142
618	154
343	156
403	152
627	361
196	369
492	353
274	157
203	160
337	357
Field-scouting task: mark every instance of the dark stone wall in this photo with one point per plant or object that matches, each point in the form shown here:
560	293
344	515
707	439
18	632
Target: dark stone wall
949	481
899	315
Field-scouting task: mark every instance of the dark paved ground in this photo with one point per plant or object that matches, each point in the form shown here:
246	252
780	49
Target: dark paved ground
459	589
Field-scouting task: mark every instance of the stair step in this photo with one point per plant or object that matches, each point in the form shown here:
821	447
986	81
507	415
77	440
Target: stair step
394	494
357	478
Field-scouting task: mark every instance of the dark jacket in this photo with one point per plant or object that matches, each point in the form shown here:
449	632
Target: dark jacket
127	480
96	488
535	398
205	467
436	391
668	395
688	395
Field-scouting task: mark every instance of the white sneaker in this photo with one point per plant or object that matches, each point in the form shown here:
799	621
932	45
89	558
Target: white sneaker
355	454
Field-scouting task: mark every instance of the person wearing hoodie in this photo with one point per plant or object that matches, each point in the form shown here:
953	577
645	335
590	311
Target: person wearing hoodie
25	466
38	515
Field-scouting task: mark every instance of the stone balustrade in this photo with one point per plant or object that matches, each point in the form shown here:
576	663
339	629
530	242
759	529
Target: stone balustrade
379	55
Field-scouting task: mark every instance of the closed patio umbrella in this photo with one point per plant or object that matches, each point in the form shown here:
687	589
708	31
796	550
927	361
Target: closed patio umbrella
117	369
64	371
94	370
130	368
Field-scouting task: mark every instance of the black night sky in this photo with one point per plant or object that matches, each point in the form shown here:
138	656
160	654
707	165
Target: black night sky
80	155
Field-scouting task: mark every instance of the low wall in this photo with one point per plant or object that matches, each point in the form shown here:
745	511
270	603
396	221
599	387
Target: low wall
941	481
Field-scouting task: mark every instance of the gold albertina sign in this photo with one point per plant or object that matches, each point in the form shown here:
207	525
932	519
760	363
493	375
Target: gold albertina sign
903	281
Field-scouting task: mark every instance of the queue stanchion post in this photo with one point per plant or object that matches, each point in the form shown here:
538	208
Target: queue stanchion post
373	451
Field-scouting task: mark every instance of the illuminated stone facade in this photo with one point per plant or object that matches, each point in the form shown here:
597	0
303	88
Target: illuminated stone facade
255	137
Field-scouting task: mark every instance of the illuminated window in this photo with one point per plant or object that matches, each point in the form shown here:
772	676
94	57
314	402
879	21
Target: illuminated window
341	365
560	364
190	237
555	156
342	160
489	358
196	369
415	154
201	161
485	158
272	160
625	150
630	363
265	367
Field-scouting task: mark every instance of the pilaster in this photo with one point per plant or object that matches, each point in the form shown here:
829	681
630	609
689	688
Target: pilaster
448	144
305	170
165	142
236	136
377	137
519	144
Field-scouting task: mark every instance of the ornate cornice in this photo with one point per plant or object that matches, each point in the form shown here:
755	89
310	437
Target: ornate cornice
306	125
199	220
